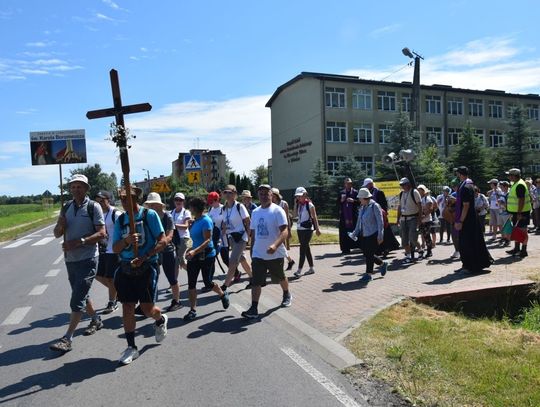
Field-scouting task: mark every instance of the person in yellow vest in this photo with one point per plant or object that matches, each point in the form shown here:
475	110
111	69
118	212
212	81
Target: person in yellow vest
519	207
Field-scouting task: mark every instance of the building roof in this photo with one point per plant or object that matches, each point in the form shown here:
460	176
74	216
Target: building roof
358	80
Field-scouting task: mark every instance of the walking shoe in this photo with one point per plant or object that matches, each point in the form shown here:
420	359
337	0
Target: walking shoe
191	315
251	313
384	268
366	278
63	345
206	289
429	253
513	251
225	300
111	307
161	330
297	273
249	285
287	299
420	254
310	271
523	254
290	265
128	356
95	325
455	255
175	305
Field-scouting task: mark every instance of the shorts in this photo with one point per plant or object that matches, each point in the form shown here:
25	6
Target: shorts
194	266
133	289
260	267
107	265
495	218
237	251
523	222
81	275
181	248
408	231
168	262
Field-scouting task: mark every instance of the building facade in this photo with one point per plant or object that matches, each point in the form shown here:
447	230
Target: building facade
212	167
326	116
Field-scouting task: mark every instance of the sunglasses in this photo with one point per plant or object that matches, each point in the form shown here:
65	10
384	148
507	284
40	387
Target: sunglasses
178	200
228	192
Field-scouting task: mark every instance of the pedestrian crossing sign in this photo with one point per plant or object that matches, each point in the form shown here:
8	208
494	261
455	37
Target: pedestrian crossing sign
194	177
192	162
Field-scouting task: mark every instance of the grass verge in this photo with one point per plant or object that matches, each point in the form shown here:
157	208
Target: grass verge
324	238
436	358
18	219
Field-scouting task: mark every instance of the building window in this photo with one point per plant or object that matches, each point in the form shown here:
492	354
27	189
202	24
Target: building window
363	133
532	112
496	138
480	135
336	132
535	168
406	102
384	133
455	106
433	104
453	136
361	99
476	107
535	146
386	101
332	164
495	109
366	164
335	97
435	133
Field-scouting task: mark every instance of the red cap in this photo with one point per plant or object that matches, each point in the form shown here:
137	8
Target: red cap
212	196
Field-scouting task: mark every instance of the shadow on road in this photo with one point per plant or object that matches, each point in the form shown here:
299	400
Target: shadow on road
50	322
226	324
449	278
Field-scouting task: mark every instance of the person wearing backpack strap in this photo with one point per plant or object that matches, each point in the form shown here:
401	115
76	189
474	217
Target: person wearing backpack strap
108	260
181	217
81	233
409	217
307	221
136	278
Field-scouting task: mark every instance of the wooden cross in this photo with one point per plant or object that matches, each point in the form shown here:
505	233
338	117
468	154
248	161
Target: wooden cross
118	111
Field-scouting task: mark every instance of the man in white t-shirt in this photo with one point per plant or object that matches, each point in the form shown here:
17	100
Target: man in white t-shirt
181	239
268	234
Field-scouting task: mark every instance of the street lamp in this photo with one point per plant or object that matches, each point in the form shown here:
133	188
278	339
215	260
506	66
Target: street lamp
147	179
415	96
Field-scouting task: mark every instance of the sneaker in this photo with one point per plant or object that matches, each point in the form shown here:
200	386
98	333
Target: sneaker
290	265
191	315
455	255
366	278
225	300
175	305
251	313
161	330
206	289
111	307
297	273
128	356
310	271
95	325
287	299
384	268
63	345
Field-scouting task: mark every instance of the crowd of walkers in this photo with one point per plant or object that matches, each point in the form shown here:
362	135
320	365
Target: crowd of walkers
126	249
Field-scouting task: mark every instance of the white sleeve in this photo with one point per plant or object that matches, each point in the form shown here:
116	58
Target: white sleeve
243	212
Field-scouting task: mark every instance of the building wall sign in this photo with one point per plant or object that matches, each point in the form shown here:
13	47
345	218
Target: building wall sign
295	149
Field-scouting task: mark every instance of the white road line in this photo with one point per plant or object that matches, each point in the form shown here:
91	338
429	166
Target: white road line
17	243
16	316
59	259
334	390
44	241
38	289
52	273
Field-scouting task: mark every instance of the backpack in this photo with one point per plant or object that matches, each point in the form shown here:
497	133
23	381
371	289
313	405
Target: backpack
147	229
412	195
90	209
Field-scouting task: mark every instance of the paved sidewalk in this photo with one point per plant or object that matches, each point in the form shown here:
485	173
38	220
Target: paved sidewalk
334	302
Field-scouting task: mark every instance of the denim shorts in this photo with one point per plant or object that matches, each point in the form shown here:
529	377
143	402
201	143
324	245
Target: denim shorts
81	274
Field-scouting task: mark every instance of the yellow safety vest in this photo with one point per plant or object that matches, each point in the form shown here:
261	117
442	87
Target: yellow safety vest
512	203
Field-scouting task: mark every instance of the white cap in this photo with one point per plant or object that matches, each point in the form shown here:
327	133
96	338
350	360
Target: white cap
300	191
367	181
180	195
79	178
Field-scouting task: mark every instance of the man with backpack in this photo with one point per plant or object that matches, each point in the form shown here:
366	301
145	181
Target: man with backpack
81	224
409	217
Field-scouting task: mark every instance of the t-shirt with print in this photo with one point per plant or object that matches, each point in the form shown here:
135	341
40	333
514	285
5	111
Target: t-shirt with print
304	215
80	225
217	215
179	218
234	219
197	229
265	224
149	233
110	217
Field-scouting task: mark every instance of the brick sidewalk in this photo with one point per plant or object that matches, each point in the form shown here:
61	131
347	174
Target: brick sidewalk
333	301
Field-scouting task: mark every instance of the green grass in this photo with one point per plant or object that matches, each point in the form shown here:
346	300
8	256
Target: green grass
437	358
530	319
17	219
326	238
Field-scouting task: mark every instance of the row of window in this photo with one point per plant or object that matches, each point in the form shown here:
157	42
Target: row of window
367	164
363	133
387	101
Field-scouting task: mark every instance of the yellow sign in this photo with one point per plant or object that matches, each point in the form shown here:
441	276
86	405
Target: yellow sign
160	187
194	177
391	190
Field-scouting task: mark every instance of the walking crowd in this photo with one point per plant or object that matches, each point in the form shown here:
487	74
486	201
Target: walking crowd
126	249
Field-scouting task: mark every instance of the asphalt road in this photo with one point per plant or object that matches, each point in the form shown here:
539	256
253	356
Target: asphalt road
219	359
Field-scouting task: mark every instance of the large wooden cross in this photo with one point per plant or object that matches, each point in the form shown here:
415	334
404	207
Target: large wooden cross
120	138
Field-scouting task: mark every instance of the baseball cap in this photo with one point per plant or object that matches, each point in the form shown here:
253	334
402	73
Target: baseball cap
212	197
366	182
180	195
493	181
404	181
462	170
265	186
79	178
230	188
104	195
300	191
135	191
513	171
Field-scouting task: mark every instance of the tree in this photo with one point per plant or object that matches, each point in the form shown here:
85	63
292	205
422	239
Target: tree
322	189
429	168
259	175
98	180
319	175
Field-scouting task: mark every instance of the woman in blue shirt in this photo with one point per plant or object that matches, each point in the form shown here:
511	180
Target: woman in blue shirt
201	257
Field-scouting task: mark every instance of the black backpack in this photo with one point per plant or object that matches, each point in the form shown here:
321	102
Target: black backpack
90	210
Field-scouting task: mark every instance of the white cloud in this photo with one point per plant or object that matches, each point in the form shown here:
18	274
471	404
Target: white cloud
104	17
111	4
40	44
13	69
387	29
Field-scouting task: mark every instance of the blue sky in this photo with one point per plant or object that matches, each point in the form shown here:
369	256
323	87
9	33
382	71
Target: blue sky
208	68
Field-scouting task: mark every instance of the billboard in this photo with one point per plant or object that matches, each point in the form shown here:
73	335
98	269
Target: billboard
58	147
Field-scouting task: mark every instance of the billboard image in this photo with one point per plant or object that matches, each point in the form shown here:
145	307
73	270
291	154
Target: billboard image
58	147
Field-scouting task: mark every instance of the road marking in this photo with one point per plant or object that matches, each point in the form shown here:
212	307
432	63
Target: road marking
16	316
334	390
38	289
52	273
44	241
17	243
59	259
